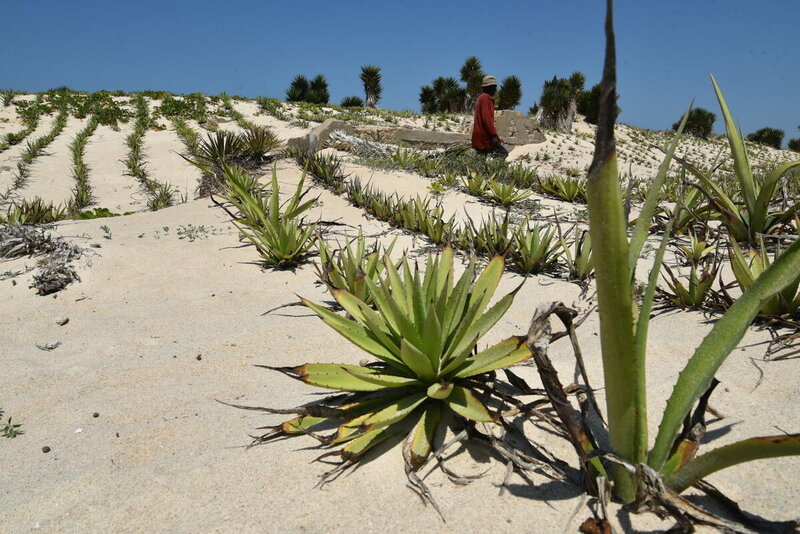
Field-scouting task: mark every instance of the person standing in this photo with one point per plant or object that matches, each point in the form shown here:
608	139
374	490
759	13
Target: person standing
485	139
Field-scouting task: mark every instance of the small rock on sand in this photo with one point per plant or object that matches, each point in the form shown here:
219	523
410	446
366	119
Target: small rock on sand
49	346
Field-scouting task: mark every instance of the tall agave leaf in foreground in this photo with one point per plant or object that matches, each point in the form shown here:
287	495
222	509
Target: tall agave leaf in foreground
424	332
623	338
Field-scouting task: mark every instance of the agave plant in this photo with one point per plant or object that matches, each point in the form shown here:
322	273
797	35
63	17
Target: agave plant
757	216
564	187
348	267
697	250
277	230
216	150
493	236
258	141
35	211
747	269
505	194
535	248
579	256
693	293
424	333
476	184
327	169
623	332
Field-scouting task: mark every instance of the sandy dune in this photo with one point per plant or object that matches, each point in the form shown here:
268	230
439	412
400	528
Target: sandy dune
168	318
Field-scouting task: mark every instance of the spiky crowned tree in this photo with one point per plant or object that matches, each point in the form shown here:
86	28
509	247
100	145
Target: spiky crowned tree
318	90
472	75
589	105
427	97
442	96
559	101
371	78
298	89
700	123
509	95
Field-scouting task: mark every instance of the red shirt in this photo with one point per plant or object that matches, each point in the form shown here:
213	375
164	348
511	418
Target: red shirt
483	126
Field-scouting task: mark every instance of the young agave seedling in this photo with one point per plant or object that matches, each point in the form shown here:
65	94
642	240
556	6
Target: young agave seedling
277	230
493	236
578	256
565	188
697	250
695	292
347	268
476	184
535	249
748	269
424	333
505	194
623	333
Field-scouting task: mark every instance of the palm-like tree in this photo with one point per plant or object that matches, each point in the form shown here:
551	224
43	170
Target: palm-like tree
318	90
427	97
371	77
509	95
472	75
559	101
298	89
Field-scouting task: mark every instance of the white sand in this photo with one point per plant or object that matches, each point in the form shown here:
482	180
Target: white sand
164	456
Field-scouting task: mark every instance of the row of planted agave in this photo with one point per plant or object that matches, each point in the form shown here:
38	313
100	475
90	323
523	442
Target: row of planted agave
423	331
101	108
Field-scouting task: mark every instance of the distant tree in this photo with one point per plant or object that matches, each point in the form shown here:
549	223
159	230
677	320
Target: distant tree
559	101
371	78
451	95
298	89
427	97
700	123
589	105
509	94
352	102
472	75
794	144
318	90
442	96
767	136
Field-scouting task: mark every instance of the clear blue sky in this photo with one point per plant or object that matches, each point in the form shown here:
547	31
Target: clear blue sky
251	48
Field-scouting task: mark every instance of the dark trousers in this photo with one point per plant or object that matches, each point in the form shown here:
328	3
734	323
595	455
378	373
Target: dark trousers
498	151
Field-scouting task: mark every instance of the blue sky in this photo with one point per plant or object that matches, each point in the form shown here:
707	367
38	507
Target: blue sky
665	49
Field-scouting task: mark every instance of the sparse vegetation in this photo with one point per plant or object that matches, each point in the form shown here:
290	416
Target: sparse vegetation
82	192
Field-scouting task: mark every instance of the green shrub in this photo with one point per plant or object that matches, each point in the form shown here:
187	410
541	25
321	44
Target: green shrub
352	102
794	144
767	136
699	124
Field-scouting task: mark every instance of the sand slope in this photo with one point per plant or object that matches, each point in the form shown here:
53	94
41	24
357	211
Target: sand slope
162	326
